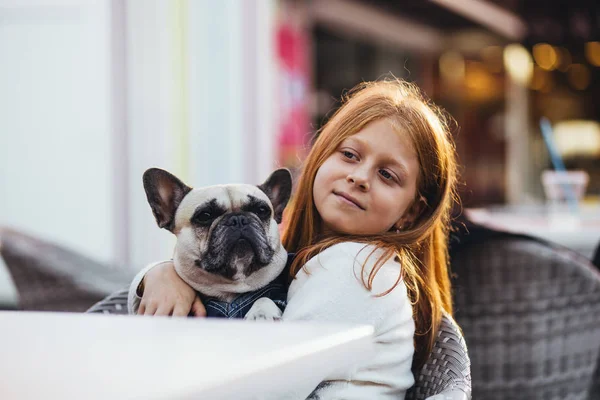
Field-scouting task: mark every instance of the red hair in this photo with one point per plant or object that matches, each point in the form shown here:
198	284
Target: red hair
421	248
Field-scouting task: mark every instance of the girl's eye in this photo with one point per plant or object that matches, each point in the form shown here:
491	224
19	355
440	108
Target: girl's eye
348	154
386	174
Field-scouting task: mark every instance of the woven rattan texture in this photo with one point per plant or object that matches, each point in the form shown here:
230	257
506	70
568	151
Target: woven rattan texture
447	369
530	313
116	303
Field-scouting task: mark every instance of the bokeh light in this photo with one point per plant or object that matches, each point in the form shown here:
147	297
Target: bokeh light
545	56
452	66
541	80
479	82
592	53
518	63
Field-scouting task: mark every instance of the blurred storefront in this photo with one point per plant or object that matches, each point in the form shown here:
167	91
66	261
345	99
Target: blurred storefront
496	66
457	62
564	42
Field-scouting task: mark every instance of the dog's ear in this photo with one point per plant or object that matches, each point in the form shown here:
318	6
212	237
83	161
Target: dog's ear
278	187
164	192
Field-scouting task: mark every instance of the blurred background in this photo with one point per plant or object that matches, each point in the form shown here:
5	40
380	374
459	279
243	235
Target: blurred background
92	93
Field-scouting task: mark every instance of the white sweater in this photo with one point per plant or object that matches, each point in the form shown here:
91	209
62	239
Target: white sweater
332	291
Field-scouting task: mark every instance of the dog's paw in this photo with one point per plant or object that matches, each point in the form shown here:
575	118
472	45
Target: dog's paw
264	309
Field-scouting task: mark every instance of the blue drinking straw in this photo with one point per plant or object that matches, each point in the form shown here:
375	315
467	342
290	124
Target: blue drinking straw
557	161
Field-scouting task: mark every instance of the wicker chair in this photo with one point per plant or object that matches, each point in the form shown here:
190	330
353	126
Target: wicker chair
596	257
530	312
447	373
50	277
9	297
116	303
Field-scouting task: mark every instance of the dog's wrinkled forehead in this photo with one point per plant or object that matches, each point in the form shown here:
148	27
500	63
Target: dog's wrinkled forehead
230	197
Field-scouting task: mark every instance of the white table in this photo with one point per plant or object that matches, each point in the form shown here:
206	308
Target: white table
83	356
579	232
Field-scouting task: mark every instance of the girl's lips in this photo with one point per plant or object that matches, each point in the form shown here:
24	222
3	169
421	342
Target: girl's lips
348	199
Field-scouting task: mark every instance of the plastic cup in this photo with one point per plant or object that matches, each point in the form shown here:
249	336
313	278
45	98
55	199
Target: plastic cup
564	191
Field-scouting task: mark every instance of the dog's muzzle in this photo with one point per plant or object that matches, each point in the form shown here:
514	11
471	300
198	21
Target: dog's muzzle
241	234
238	227
240	237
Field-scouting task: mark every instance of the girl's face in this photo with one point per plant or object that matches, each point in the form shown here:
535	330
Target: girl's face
367	185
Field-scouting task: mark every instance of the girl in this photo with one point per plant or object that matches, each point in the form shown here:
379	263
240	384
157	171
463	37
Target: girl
369	223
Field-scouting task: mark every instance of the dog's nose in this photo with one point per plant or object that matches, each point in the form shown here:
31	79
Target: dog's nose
237	221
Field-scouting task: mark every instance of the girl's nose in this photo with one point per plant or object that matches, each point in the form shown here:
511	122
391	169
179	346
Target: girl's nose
358	180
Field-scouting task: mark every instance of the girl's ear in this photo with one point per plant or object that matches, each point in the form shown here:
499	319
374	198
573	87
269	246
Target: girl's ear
411	215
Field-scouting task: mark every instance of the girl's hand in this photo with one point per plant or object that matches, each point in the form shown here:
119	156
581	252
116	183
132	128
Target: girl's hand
165	293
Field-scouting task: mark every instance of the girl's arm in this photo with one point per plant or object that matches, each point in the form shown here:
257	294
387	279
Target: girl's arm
158	290
332	291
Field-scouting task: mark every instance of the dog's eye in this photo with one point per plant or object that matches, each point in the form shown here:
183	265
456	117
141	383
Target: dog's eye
203	217
263	211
